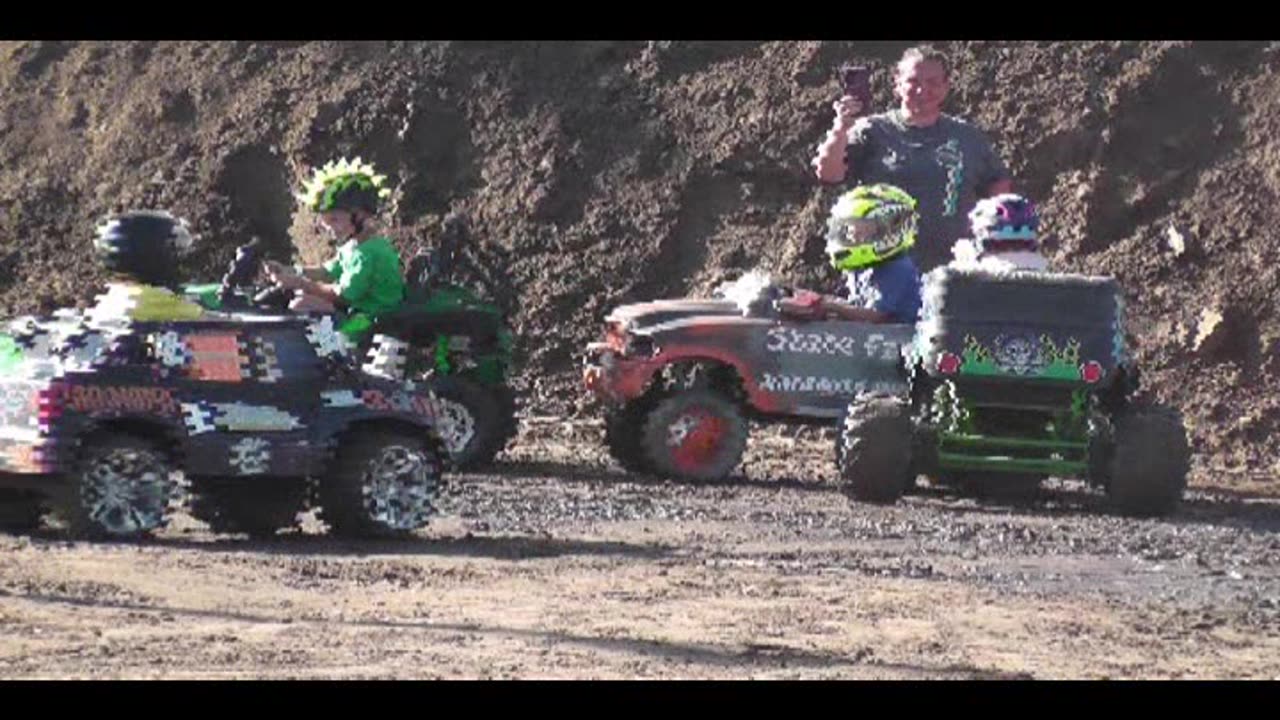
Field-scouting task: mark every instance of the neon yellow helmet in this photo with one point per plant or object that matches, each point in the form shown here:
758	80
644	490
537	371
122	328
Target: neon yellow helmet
344	185
870	224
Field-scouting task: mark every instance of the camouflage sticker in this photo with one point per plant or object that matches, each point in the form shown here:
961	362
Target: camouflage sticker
198	418
278	354
387	357
17	398
84	350
19	410
340	398
50	347
239	417
117	303
170	349
265	364
326	339
250	456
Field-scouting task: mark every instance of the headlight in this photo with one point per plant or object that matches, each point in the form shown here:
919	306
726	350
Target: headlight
615	336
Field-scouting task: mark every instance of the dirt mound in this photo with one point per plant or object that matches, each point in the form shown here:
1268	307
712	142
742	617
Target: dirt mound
605	172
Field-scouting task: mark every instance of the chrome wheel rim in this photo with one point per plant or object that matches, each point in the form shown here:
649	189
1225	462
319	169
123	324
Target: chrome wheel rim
457	426
127	491
400	485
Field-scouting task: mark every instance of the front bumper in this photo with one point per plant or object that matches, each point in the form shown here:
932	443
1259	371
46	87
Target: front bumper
613	377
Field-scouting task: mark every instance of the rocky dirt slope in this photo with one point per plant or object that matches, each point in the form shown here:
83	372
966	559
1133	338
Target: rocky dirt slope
603	172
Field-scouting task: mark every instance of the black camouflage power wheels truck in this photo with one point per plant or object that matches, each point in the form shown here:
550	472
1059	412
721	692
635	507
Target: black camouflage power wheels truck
1013	377
262	416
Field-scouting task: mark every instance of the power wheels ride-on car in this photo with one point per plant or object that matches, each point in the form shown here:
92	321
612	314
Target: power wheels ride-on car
681	378
1014	377
443	336
262	415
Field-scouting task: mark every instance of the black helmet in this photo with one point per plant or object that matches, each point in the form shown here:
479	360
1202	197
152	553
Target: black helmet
143	245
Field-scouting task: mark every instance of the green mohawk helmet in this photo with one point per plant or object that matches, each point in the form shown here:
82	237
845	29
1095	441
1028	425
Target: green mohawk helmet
870	224
344	185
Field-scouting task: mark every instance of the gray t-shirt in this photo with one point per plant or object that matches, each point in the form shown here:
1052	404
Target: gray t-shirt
943	166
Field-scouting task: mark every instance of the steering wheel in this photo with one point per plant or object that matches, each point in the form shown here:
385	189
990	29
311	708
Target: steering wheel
240	276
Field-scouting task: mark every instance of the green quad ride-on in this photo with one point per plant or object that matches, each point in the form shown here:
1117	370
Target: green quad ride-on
444	335
1011	378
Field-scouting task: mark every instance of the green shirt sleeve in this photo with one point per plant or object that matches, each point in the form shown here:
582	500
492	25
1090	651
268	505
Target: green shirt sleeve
368	276
356	277
334	267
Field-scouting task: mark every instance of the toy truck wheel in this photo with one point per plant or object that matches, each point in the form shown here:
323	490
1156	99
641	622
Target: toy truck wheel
20	510
122	487
509	426
382	483
1149	461
875	463
623	431
257	508
694	435
472	426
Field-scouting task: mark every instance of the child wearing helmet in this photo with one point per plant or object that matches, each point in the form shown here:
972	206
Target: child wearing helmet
869	234
1004	237
141	250
364	278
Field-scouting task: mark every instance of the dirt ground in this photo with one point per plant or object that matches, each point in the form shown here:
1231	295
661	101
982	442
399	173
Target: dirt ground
557	565
597	173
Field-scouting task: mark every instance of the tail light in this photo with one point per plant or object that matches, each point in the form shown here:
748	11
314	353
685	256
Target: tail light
948	363
50	403
1091	372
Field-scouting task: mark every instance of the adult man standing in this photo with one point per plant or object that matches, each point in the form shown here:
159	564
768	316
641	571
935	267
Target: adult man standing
946	163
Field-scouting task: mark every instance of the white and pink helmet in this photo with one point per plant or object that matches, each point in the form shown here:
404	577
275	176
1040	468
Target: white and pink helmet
1004	218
